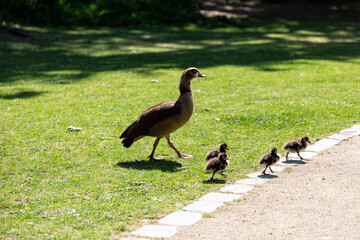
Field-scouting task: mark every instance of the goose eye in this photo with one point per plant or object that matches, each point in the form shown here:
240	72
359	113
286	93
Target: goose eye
193	71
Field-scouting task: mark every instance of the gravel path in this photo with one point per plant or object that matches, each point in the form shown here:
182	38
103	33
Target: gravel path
316	200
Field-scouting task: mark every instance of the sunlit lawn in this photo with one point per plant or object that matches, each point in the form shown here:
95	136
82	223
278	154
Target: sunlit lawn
268	82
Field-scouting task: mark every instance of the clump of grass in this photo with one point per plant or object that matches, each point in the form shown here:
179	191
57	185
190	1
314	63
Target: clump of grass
207	215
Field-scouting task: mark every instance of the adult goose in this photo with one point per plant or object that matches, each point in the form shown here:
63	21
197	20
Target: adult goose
164	118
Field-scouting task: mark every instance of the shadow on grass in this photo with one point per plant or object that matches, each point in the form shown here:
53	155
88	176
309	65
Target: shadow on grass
21	94
58	56
214	181
162	165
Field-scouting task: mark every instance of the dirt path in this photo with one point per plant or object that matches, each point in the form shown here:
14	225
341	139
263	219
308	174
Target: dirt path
317	200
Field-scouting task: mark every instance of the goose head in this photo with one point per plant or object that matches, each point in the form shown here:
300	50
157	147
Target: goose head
191	73
274	151
223	157
223	147
186	77
305	140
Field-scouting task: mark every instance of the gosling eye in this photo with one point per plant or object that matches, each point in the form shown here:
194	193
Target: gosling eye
193	71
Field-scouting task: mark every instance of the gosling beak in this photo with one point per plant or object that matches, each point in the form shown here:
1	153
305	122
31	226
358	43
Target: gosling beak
201	75
227	148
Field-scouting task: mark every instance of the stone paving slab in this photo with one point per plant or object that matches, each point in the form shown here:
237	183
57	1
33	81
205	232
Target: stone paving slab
276	169
251	181
181	218
317	148
237	188
340	136
203	206
357	127
155	231
322	145
327	142
220	197
254	175
351	131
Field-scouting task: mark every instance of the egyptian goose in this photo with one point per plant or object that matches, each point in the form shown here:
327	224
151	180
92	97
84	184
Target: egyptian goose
215	153
217	164
164	118
269	159
295	146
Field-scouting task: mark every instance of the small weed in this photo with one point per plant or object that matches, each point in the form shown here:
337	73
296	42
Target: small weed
121	228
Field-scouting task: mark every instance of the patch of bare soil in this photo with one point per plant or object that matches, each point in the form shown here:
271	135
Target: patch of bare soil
317	200
309	10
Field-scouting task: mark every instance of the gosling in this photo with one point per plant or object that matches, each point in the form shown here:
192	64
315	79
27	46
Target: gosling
269	159
217	164
215	153
295	146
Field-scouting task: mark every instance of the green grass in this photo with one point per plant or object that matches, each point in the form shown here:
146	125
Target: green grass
268	82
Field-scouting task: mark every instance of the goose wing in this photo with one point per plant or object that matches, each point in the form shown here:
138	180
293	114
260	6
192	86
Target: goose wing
155	114
291	145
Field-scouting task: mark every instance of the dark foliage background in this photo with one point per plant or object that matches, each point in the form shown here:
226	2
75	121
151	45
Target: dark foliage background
152	12
98	12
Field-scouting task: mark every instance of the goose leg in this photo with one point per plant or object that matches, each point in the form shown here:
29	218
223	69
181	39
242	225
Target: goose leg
151	156
212	177
287	156
224	174
271	169
299	155
176	150
265	170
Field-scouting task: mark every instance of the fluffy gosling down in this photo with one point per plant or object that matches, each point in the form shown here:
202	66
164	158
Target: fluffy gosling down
216	152
269	159
295	146
217	164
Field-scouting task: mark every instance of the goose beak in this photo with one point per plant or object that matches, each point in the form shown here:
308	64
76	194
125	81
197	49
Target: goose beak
201	75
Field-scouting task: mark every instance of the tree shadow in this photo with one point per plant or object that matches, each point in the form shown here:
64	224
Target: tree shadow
162	165
21	94
57	56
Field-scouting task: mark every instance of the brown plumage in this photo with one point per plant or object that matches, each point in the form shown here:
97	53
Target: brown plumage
269	159
217	164
216	152
164	118
295	146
